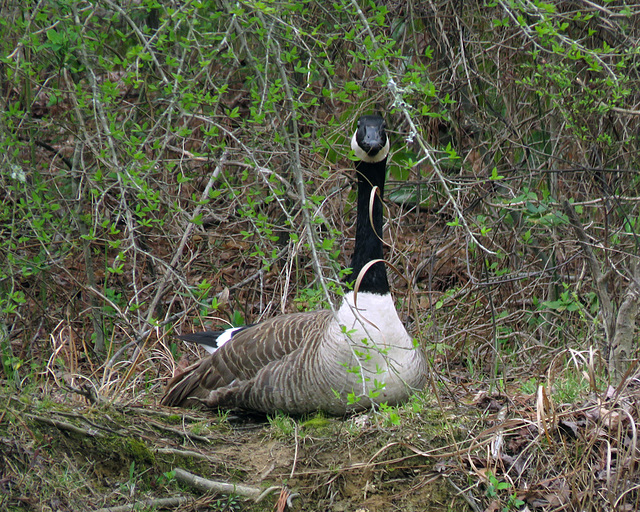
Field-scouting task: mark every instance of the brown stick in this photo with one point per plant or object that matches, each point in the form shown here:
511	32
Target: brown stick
599	278
204	484
159	503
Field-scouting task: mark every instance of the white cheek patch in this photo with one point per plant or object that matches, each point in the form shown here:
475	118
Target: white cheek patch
362	155
222	339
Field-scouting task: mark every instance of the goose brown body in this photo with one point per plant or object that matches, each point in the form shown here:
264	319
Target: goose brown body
321	360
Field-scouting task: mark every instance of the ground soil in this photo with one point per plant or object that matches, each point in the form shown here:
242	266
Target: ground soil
64	453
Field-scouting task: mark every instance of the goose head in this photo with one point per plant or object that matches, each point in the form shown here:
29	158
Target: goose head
370	142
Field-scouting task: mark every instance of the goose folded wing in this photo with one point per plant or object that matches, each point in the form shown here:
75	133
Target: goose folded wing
247	352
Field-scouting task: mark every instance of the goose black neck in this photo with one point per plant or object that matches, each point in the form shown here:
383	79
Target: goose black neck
369	237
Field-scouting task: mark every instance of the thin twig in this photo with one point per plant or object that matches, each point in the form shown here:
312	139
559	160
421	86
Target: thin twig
62	425
156	503
185	236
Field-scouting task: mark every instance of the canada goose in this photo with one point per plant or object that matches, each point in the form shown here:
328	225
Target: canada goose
321	360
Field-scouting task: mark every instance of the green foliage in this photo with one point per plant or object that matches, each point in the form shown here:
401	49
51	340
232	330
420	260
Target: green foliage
316	422
529	386
391	416
568	301
496	488
228	504
311	299
282	426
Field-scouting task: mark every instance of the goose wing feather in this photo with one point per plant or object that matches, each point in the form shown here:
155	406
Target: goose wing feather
212	340
248	352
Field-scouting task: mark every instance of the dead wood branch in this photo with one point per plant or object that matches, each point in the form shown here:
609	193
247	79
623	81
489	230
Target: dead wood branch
159	503
600	279
63	425
622	346
185	453
206	485
619	326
